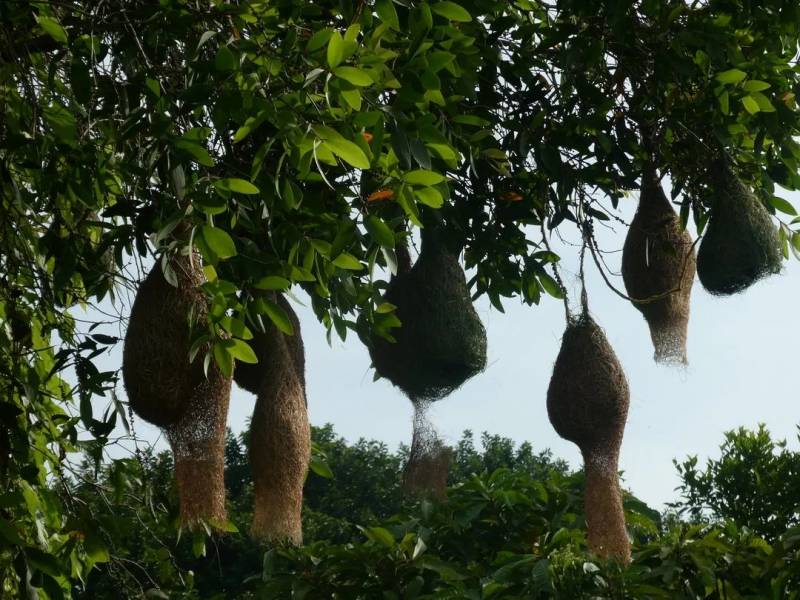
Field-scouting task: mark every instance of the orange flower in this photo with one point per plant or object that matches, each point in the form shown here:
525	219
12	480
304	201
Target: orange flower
367	136
511	197
380	195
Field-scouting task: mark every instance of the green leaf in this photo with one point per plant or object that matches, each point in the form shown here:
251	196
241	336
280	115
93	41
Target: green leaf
452	11
335	50
240	186
380	535
348	151
423	177
724	103
95	549
429	196
550	285
272	282
225	60
223	359
52	28
380	231
444	152
354	75
763	102
353	98
754	85
320	467
223	525
241	350
731	76
782	205
218	241
387	13
276	314
347	261
751	105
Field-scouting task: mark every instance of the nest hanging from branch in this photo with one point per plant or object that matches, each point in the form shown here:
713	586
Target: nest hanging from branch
280	434
658	263
587	403
166	389
442	342
741	243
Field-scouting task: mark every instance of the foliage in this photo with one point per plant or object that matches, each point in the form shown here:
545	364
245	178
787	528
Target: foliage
512	532
753	483
298	143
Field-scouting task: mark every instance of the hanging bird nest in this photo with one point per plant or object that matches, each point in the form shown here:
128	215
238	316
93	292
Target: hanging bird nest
250	376
587	403
741	243
166	389
658	263
280	447
425	473
280	435
442	342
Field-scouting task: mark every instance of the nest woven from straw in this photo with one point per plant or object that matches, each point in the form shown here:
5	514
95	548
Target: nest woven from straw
658	258
250	376
167	390
605	517
425	473
587	403
159	379
588	396
280	450
441	342
741	243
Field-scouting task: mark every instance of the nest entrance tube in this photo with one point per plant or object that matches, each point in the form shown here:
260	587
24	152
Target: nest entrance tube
167	390
280	434
587	403
741	243
425	473
658	268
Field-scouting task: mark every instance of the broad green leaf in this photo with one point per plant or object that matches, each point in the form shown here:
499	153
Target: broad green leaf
782	205
452	11
423	177
223	359
348	151
731	76
354	75
387	13
241	350
225	60
754	85
380	231
429	196
347	261
272	282
218	241
751	105
444	152
52	28
239	186
724	103
335	50
763	102
352	98
276	314
320	467
550	285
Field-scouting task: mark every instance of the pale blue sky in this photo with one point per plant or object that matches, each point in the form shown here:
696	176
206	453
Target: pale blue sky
743	359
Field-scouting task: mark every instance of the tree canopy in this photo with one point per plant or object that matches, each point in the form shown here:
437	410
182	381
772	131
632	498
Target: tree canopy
300	143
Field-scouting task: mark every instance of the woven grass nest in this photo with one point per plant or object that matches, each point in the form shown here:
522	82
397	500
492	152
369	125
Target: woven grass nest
425	473
280	434
587	403
442	342
741	243
166	389
658	259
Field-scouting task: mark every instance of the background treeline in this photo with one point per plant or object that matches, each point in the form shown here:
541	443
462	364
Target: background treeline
512	527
